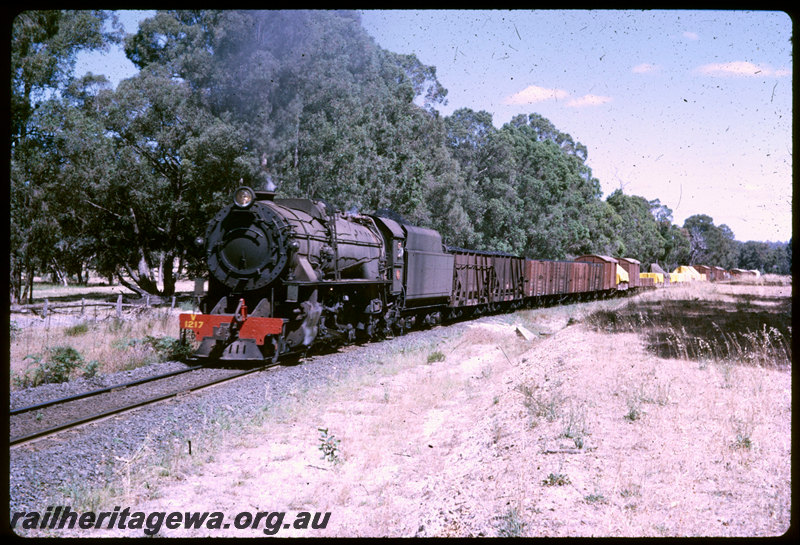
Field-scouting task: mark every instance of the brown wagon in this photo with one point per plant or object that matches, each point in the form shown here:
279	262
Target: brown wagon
633	268
706	270
544	278
608	276
486	277
721	274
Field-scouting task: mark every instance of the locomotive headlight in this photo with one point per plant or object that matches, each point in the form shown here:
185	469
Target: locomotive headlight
244	197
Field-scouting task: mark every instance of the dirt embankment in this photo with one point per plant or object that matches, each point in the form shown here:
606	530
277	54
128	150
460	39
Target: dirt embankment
576	433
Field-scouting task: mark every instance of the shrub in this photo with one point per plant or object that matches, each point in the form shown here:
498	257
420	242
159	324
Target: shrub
91	368
329	446
595	498
61	362
77	329
511	525
556	479
172	348
634	410
742	441
57	367
575	427
435	356
539	405
744	432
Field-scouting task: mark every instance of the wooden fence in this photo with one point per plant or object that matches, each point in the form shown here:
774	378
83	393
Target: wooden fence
47	306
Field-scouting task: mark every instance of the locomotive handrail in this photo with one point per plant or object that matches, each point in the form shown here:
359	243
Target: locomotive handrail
344	281
337	274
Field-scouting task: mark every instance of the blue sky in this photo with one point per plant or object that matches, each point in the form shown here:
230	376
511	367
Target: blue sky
691	107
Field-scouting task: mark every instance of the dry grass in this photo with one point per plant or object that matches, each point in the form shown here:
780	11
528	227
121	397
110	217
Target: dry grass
710	323
115	345
105	346
104	343
591	430
763	280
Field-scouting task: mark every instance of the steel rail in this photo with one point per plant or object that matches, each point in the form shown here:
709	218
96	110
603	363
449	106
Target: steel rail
45	404
61	427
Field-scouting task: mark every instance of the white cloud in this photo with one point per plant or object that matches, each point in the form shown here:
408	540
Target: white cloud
532	94
739	68
691	36
588	100
644	68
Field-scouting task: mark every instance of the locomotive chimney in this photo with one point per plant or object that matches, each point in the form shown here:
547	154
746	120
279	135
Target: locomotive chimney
268	192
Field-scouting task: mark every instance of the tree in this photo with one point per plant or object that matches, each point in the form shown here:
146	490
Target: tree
789	257
767	257
709	244
469	137
171	158
80	153
43	49
753	255
606	227
699	226
675	239
44	45
541	194
304	97
638	230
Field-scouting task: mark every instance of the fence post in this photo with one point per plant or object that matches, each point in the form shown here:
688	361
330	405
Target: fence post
119	306
44	308
172	305
147	302
83	305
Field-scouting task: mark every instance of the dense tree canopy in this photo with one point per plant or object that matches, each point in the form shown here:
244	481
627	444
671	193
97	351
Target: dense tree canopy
122	180
638	230
710	243
43	49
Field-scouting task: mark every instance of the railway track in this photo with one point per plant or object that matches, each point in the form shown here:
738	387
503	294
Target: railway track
35	421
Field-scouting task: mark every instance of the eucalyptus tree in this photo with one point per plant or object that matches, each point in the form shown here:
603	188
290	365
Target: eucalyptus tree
788	257
172	162
83	155
469	135
710	244
767	257
542	199
320	108
675	239
639	230
44	45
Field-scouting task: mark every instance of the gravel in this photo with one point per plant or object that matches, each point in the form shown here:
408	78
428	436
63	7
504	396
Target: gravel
50	470
48	392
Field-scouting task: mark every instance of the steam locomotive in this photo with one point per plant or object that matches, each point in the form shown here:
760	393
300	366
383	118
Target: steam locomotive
286	274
